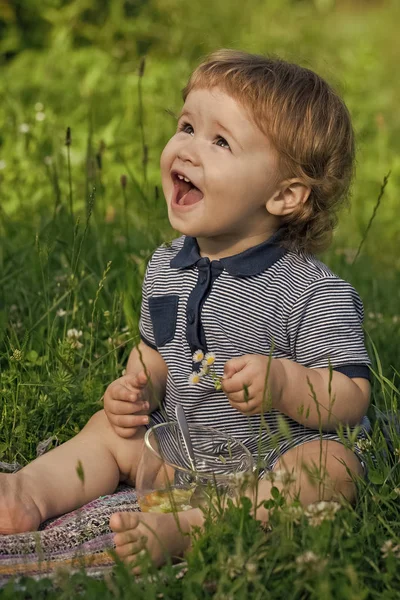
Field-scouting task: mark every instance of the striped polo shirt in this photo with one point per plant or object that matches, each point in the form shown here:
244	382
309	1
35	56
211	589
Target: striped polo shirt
266	300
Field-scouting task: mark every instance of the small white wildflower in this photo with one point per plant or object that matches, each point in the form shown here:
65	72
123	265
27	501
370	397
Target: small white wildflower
294	513
3	164
307	557
125	329
74	333
40	116
24	128
321	511
198	356
17	354
48	160
239	476
209	358
281	476
251	568
106	313
310	560
194	378
389	547
61	312
39	106
397	490
73	337
364	445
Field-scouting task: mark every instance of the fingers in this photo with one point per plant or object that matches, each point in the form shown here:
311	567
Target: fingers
139	380
235	386
128	421
119	407
234	365
120	392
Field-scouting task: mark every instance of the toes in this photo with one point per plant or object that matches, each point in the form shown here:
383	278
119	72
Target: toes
120	522
129	550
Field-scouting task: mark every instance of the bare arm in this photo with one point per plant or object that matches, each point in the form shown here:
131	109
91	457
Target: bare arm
289	386
145	358
347	402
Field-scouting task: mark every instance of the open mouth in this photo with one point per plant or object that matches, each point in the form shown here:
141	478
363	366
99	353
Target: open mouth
185	192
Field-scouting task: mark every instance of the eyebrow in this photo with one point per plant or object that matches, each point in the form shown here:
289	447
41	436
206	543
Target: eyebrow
186	113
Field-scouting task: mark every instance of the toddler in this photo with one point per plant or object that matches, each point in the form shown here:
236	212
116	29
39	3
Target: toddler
261	160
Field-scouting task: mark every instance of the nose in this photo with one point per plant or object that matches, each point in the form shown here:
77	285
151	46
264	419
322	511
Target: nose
189	152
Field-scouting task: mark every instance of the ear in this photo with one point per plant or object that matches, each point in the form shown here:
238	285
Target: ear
290	194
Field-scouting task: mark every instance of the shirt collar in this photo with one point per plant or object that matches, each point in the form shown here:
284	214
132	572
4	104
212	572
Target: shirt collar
252	261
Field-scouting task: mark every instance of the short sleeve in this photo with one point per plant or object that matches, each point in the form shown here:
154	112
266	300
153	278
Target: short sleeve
325	328
145	323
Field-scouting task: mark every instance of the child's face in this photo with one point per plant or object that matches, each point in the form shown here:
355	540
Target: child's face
233	164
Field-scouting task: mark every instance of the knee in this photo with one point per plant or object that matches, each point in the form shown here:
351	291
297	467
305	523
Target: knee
327	475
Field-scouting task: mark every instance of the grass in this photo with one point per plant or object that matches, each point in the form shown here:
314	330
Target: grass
78	221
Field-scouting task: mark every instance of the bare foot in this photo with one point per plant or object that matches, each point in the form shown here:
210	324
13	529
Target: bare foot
18	510
158	532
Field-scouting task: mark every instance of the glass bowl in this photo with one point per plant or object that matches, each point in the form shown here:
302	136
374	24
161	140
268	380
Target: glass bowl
166	481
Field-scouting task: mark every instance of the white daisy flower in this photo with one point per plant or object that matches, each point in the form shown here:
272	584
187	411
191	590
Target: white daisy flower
24	128
209	358
40	116
198	356
194	378
61	312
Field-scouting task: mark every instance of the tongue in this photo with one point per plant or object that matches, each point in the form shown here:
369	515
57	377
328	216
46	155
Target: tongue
191	197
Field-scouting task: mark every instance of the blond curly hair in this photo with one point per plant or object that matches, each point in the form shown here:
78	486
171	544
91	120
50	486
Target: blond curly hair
306	121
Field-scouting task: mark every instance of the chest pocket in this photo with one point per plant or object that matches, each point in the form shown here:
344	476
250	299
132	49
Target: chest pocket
163	313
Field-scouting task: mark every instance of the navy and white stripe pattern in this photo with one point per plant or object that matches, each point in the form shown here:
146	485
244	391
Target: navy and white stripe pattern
265	300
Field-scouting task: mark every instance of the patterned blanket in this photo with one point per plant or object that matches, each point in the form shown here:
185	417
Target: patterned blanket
79	538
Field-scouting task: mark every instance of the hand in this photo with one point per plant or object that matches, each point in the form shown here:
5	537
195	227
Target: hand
250	370
126	404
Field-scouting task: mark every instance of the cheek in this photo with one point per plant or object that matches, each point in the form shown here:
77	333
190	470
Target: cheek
166	160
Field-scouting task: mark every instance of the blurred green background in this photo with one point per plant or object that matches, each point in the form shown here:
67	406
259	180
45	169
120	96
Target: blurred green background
113	72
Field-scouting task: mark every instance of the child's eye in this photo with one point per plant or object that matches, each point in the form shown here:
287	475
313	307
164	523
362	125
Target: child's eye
184	126
224	140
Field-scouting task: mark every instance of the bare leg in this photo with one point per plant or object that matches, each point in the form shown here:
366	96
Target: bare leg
50	485
315	476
